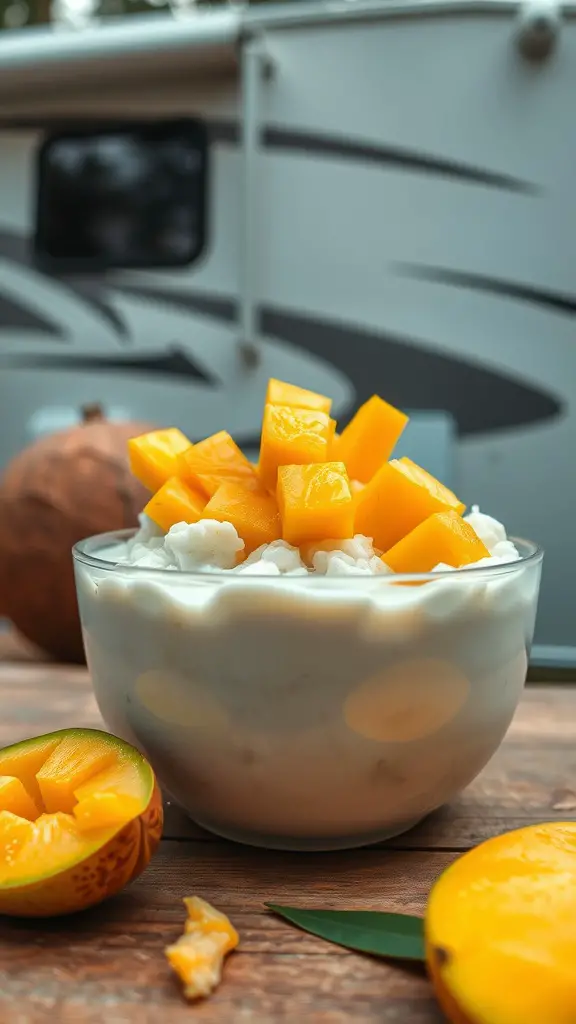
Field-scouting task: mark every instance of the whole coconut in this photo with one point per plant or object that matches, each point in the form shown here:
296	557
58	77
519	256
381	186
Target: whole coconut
61	489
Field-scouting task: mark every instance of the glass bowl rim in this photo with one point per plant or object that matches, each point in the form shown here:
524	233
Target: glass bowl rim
81	553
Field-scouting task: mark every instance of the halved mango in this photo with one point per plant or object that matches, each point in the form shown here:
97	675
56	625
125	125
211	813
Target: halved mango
443	537
175	502
279	392
499	929
154	456
315	502
398	498
369	438
215	461
292	437
254	514
97	820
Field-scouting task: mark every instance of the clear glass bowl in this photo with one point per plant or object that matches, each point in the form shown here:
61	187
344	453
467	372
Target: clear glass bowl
308	713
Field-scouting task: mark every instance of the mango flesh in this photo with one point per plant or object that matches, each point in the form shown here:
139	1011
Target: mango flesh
154	456
315	502
443	537
501	933
80	817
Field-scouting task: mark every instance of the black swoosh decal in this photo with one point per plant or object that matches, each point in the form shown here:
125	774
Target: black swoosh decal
318	144
17	248
408	373
174	362
13	315
557	301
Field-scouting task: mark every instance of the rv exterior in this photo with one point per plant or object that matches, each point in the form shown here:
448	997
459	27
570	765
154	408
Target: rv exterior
381	198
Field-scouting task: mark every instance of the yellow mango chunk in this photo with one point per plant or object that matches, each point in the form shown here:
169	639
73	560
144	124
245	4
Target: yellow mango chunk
432	484
443	537
154	456
15	833
175	502
369	438
67	767
215	461
398	498
14	798
25	759
253	514
197	956
281	393
104	810
315	502
292	437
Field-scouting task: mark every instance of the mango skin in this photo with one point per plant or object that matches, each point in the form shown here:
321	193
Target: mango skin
499	929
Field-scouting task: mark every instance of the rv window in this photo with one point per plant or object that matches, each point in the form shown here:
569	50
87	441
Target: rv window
122	196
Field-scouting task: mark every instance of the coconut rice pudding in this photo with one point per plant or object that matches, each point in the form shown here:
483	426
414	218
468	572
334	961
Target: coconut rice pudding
316	652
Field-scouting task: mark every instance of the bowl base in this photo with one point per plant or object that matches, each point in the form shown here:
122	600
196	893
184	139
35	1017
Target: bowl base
304	844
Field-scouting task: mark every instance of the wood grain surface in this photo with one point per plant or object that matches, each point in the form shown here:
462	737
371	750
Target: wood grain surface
107	965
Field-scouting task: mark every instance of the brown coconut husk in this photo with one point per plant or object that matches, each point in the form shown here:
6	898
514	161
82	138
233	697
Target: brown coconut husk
63	488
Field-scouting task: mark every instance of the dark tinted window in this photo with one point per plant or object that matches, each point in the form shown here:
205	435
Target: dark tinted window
122	196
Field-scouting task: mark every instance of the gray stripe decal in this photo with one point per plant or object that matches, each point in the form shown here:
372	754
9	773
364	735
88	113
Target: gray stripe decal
316	144
407	372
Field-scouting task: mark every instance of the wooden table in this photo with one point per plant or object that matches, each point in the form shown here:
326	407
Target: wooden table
107	965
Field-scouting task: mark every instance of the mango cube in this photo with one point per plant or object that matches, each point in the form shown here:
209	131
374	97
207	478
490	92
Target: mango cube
175	502
281	393
443	537
369	438
154	456
214	461
315	502
292	437
254	514
398	498
15	798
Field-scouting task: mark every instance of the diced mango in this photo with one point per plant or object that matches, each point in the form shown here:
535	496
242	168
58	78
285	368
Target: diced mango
443	537
398	498
315	502
254	514
154	456
434	486
369	438
292	437
15	798
175	502
281	393
214	461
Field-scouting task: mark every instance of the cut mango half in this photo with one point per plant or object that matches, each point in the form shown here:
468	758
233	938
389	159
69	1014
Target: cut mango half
80	817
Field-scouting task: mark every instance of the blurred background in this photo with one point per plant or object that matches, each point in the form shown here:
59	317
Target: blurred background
351	196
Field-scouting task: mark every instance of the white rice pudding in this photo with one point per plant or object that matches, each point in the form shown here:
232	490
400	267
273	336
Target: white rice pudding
305	706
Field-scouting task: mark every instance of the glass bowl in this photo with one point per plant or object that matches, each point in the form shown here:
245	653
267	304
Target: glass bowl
307	712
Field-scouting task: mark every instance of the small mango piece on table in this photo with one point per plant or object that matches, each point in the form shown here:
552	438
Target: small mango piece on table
214	461
443	537
175	502
500	930
281	393
315	503
398	498
80	817
253	513
292	437
198	955
369	439
154	457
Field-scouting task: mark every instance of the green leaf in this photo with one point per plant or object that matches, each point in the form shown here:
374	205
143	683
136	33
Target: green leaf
368	931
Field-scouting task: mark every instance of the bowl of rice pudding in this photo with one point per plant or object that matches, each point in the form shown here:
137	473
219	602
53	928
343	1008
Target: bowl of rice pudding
308	694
